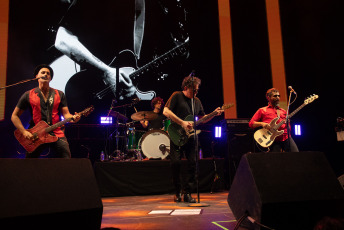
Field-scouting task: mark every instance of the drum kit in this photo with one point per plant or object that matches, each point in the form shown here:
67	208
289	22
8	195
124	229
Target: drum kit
139	144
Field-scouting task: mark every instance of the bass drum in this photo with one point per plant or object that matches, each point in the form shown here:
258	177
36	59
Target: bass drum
155	144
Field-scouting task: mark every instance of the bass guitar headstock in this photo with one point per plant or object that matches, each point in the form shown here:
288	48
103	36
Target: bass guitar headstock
311	98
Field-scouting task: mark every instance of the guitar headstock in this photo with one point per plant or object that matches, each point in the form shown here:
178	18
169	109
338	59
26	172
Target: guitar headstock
311	99
227	106
87	111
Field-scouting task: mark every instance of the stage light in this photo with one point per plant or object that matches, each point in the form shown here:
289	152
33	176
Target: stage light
218	131
105	120
297	129
62	118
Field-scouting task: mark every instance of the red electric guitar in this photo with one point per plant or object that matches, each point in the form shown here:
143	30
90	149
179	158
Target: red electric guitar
41	132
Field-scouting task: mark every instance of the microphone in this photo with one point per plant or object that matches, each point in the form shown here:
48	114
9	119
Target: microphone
192	74
291	89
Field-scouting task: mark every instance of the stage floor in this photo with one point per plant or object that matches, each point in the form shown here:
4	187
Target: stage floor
132	212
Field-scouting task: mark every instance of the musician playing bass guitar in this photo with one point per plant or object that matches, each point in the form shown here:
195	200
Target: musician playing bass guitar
45	104
179	106
265	115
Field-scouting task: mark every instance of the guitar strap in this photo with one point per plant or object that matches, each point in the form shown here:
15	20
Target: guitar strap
278	113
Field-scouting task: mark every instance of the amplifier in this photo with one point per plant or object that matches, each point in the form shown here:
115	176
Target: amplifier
239	125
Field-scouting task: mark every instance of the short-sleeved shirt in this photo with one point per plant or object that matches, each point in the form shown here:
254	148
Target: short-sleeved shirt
267	114
49	111
157	123
181	105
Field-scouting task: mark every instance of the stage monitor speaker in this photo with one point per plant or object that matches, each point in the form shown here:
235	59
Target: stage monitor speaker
49	194
285	190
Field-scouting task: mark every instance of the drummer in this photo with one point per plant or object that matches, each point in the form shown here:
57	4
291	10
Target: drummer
158	123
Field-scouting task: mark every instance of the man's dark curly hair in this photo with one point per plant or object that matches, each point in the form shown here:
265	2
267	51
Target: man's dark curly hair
155	100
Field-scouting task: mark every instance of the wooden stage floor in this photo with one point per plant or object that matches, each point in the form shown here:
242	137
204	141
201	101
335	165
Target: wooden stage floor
131	212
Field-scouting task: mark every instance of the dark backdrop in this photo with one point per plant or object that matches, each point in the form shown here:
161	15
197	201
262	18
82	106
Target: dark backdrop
313	53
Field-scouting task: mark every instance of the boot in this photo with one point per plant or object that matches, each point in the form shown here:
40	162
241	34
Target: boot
178	197
188	198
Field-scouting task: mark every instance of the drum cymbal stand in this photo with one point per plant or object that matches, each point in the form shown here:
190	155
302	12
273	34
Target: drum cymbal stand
118	154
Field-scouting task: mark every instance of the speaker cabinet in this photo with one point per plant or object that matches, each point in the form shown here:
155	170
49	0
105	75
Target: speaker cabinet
49	194
285	190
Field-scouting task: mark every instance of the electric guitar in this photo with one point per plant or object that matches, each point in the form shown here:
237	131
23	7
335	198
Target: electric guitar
180	136
41	132
265	137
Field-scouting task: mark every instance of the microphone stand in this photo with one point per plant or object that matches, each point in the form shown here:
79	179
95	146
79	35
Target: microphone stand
287	120
20	82
198	204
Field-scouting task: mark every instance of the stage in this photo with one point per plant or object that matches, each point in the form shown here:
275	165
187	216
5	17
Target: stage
132	212
73	193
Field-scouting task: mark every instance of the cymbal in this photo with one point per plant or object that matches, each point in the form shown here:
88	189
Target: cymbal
144	115
118	115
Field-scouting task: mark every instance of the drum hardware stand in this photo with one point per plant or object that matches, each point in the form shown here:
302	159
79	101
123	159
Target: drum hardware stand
125	106
198	204
118	153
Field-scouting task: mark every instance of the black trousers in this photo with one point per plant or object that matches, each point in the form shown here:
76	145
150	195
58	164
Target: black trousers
58	149
288	145
183	184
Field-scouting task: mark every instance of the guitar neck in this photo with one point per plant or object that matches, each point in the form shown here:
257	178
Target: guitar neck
176	51
58	124
206	117
297	110
290	115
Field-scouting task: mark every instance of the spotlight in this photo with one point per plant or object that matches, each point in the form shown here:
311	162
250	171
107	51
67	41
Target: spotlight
297	129
218	131
105	120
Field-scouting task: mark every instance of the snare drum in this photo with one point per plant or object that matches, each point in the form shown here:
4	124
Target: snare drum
155	144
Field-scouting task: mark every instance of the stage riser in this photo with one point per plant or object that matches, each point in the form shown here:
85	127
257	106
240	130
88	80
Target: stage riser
151	177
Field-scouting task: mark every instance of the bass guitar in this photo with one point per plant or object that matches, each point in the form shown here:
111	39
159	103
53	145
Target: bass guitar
180	136
265	137
41	132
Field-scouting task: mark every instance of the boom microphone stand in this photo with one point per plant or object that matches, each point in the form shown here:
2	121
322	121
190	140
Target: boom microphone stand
21	82
287	116
198	204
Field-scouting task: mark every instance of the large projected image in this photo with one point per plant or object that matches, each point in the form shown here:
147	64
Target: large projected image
107	51
103	51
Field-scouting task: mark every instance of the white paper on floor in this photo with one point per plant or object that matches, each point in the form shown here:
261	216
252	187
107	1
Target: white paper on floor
177	212
186	212
160	212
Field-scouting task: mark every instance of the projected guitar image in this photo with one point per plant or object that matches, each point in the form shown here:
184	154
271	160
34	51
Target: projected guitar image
265	137
88	85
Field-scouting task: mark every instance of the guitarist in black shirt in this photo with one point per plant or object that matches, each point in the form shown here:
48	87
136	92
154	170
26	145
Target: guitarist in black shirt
179	106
